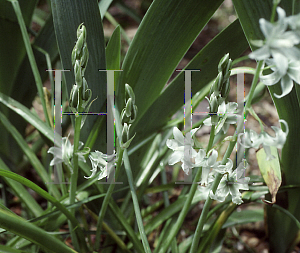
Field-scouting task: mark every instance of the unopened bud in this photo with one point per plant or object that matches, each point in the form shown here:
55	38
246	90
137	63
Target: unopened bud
125	133
128	107
74	96
133	113
223	63
130	92
213	104
85	93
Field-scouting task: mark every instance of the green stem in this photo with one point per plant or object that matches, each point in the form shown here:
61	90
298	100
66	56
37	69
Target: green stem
74	177
131	185
273	13
229	150
106	201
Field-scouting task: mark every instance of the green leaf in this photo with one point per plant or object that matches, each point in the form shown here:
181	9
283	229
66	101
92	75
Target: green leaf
23	228
22	193
65	25
7	249
113	50
35	162
171	26
270	170
233	41
31	118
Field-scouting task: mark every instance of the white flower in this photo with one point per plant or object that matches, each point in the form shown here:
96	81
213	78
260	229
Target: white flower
226	113
208	164
65	153
192	162
182	147
231	183
277	39
98	159
251	139
284	70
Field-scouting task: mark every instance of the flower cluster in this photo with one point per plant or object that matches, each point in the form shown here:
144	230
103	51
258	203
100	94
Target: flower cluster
210	166
226	116
65	153
251	139
279	51
98	159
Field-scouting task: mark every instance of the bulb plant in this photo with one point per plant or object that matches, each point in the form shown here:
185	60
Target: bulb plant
104	200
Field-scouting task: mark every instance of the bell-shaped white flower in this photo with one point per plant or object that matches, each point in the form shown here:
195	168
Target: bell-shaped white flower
209	163
231	183
103	161
250	139
65	153
182	146
284	70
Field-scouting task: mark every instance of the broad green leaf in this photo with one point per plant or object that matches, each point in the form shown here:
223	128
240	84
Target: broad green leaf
113	50
280	230
165	34
65	25
172	98
270	170
244	216
23	228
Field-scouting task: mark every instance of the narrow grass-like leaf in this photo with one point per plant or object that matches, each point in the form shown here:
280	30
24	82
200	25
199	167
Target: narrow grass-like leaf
31	58
22	193
7	249
23	228
31	118
35	162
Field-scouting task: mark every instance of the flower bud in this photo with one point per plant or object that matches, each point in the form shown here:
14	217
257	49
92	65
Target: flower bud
130	92
223	63
124	119
213	104
125	133
133	113
74	98
85	93
84	57
128	107
78	74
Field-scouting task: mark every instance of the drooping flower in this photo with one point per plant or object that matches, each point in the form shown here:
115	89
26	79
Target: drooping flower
284	70
65	153
182	146
209	163
103	161
231	183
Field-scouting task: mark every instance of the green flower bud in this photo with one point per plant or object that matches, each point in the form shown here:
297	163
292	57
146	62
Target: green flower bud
223	63
78	74
74	98
85	93
128	107
213	104
124	119
125	133
84	57
130	92
225	89
133	113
